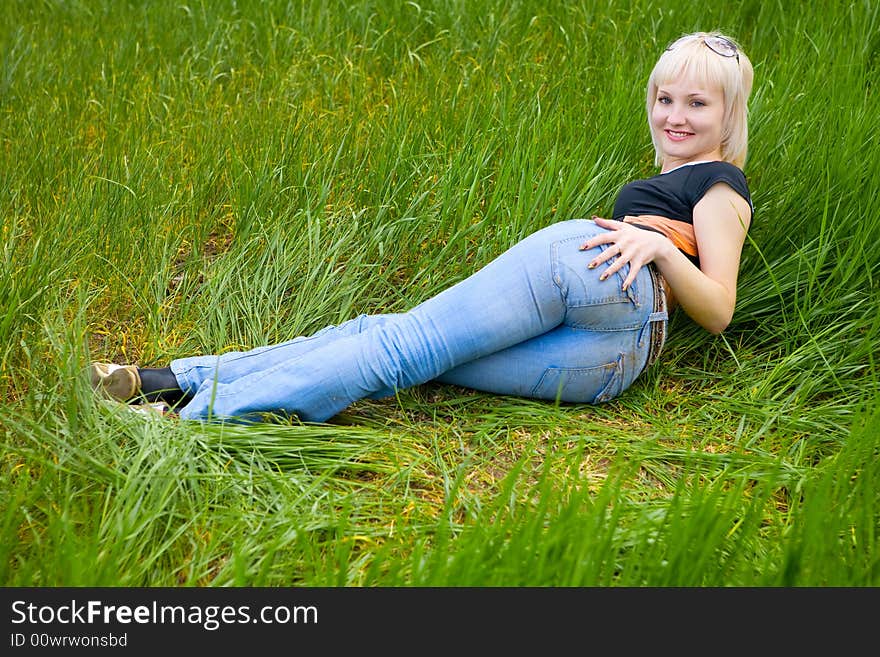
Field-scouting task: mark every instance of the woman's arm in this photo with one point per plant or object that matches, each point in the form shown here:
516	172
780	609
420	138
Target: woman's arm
707	293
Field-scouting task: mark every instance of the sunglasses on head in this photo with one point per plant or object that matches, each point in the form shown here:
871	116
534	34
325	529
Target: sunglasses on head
717	44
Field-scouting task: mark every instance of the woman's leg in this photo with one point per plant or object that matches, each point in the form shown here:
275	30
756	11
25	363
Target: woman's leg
567	364
539	284
192	372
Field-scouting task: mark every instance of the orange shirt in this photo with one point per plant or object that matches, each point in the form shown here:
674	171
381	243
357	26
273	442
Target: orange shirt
680	233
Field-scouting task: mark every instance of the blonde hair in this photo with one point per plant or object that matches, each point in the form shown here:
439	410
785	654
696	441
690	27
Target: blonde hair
691	58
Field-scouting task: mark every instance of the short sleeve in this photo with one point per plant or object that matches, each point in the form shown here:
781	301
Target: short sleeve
702	178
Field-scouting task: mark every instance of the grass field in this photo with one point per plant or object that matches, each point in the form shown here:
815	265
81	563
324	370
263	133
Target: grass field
194	177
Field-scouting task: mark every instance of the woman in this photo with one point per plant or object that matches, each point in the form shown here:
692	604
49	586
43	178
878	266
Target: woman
574	312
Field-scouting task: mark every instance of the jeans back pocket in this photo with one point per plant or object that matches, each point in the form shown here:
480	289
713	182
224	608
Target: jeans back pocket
582	385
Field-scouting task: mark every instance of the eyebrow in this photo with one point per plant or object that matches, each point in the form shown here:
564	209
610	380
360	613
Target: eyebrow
702	94
661	90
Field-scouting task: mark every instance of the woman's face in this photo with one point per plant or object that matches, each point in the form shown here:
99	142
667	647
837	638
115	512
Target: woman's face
686	119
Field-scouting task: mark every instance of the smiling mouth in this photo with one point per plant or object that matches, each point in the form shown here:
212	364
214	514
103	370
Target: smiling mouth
673	134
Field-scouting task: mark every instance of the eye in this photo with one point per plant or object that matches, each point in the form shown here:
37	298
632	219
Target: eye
664	100
698	103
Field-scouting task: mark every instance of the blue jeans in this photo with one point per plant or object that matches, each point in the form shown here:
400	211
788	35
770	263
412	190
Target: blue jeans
534	322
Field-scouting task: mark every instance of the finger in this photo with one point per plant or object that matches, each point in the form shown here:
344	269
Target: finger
610	252
607	223
602	238
614	267
633	272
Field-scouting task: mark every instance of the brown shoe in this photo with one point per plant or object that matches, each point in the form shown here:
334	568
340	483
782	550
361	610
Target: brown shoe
119	382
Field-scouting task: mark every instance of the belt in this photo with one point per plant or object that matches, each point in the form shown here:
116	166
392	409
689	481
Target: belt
656	320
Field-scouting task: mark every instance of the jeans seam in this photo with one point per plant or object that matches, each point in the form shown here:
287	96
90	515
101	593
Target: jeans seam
186	383
256	379
604	301
270	347
619	329
618	376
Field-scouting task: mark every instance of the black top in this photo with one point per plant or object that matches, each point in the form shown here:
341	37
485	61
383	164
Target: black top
674	194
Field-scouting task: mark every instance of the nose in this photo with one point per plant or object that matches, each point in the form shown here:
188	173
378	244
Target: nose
676	116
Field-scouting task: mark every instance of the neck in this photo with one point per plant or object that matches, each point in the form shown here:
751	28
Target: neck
669	163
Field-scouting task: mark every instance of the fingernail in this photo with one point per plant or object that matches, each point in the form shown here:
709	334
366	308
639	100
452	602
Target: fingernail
603	277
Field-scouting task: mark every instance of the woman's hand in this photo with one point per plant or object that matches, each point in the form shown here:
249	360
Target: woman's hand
706	293
629	244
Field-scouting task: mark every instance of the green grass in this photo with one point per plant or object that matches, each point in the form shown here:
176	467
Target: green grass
180	178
